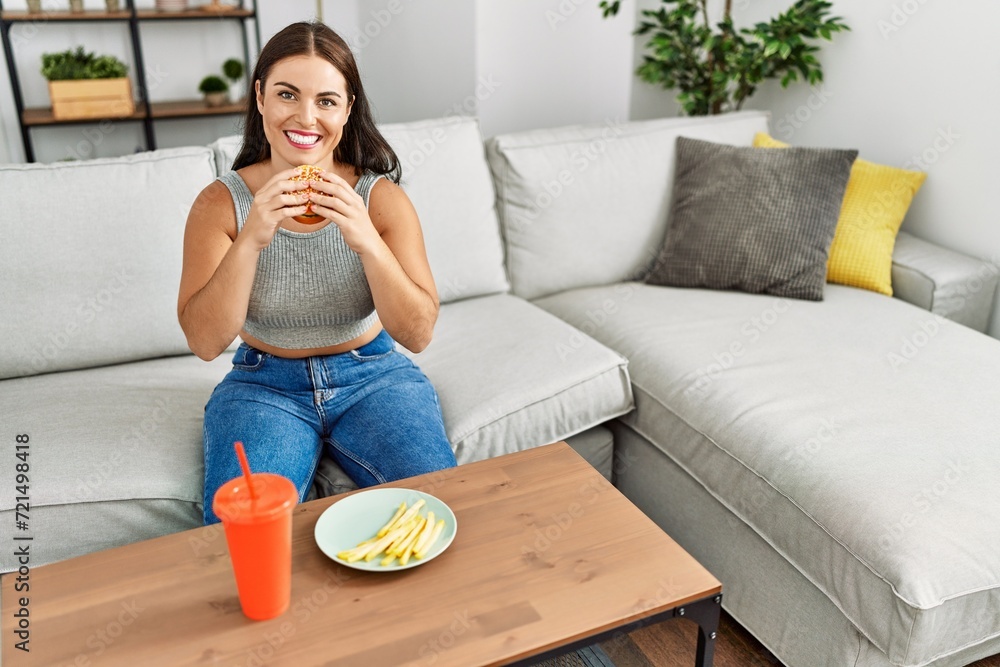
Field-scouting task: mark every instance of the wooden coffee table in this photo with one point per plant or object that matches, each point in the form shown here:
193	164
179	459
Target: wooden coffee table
548	557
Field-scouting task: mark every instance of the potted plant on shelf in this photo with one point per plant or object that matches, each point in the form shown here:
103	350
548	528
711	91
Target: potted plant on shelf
233	70
83	85
215	90
716	69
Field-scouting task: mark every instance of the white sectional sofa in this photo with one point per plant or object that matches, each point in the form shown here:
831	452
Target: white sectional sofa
844	499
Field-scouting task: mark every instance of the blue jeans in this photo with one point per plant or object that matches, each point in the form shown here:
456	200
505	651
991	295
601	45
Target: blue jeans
371	409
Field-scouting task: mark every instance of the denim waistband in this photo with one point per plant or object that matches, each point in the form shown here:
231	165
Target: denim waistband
247	355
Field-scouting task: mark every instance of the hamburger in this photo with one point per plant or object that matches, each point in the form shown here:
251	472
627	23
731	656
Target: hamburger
307	172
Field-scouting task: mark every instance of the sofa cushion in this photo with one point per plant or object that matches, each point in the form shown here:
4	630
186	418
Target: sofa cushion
446	177
127	447
587	205
751	219
856	435
875	203
225	150
945	282
93	280
511	376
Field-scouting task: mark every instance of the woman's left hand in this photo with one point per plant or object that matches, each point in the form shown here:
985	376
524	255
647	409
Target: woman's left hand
342	205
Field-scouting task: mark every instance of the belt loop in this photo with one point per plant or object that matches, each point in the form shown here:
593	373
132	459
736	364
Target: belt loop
242	355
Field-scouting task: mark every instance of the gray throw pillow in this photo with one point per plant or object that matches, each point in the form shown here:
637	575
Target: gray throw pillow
754	219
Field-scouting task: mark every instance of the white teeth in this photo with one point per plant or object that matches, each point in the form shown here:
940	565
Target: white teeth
302	139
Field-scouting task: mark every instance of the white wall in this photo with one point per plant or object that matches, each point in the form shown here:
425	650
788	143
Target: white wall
517	64
913	90
417	58
544	63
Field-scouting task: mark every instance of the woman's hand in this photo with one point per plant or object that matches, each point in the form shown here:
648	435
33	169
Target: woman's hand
271	205
387	237
342	205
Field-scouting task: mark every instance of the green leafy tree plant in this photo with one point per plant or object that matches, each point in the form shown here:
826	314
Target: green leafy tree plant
716	69
78	64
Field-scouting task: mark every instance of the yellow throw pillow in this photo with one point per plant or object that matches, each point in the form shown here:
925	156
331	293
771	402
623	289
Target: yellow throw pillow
875	203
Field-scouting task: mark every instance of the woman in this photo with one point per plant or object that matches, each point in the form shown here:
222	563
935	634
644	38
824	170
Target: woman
319	306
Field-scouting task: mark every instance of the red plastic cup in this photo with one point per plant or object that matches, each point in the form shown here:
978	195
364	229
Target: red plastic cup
259	534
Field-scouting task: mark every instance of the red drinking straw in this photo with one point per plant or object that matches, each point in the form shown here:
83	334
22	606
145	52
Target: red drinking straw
242	456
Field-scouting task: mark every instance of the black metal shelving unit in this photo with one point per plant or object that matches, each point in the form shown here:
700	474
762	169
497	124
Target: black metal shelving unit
146	112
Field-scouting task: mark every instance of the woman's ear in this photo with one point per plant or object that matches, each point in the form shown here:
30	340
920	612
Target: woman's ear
260	97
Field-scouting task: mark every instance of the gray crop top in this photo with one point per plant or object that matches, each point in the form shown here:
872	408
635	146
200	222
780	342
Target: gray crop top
310	288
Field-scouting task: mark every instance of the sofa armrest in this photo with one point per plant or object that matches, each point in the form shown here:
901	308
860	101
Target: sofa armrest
945	282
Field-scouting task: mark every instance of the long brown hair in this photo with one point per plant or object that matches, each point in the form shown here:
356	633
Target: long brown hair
362	145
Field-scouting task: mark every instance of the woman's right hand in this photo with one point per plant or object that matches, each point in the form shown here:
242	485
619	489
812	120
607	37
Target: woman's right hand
278	199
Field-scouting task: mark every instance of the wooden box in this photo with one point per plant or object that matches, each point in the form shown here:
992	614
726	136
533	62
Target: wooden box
91	98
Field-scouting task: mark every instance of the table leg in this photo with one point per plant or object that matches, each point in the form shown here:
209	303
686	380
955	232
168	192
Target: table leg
706	614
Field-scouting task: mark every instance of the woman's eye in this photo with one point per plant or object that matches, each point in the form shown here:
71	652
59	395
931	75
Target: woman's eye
327	103
285	92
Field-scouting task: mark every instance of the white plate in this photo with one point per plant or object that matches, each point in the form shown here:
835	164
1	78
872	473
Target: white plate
359	516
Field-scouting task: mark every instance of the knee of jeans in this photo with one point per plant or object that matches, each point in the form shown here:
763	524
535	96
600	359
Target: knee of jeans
448	459
208	516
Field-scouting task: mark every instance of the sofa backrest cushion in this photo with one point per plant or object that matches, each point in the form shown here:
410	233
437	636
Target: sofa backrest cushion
446	176
588	205
92	257
226	149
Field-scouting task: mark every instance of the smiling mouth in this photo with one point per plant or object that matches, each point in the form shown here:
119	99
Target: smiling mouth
302	140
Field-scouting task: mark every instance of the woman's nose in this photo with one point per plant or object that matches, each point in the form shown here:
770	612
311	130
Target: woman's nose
306	115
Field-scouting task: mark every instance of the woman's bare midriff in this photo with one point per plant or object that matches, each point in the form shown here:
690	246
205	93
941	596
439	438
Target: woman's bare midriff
354	344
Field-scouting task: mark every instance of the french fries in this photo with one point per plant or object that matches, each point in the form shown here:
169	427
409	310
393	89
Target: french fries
408	534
